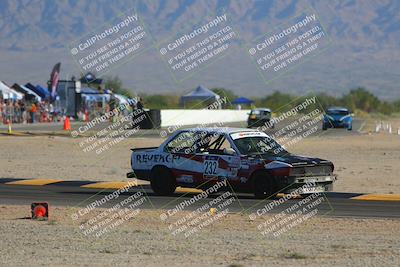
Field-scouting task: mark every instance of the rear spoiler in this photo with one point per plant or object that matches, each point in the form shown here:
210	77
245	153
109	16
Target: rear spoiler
143	148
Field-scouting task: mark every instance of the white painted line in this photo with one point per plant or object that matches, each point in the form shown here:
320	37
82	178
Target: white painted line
362	126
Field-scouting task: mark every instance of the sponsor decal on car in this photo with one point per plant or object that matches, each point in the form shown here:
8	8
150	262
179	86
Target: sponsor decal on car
188	179
156	158
232	173
235	136
234	162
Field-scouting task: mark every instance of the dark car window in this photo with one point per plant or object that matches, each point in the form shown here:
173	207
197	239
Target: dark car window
259	145
213	144
182	143
337	112
255	112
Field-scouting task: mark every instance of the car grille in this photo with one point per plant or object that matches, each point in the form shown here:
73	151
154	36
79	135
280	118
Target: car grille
312	170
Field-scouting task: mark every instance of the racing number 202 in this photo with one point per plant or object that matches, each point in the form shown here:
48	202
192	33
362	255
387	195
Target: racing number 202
210	167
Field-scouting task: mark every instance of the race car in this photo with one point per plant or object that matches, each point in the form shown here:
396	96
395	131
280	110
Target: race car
337	117
260	117
250	160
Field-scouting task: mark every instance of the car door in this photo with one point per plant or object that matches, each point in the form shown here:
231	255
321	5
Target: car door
217	164
187	166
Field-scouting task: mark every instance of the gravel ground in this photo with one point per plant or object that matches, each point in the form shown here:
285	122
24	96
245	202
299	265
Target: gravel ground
233	240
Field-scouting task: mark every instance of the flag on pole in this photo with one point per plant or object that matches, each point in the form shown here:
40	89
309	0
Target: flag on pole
54	78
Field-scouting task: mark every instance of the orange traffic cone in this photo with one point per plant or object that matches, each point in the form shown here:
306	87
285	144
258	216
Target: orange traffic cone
67	125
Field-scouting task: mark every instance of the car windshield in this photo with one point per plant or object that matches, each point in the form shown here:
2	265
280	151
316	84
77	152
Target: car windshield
337	112
260	112
259	145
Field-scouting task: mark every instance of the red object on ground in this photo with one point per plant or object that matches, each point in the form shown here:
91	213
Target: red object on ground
40	210
86	116
67	125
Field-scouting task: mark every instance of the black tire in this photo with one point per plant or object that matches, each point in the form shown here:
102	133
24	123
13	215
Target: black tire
264	186
324	127
162	181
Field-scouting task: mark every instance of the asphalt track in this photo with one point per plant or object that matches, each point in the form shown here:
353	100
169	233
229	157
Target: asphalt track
72	194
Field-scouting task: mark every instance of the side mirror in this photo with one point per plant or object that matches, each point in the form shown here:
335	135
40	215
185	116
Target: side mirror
229	151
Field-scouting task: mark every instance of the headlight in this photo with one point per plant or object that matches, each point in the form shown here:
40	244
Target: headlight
329	118
345	118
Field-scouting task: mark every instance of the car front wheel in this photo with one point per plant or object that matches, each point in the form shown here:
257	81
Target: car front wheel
264	186
162	181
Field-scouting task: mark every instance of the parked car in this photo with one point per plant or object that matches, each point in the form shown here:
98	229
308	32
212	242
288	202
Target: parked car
260	117
337	117
250	160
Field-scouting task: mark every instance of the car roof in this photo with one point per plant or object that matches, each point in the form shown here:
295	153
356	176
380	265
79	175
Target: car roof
338	108
228	130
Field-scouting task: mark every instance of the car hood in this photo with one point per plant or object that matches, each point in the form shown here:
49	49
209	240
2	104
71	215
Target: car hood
295	160
335	117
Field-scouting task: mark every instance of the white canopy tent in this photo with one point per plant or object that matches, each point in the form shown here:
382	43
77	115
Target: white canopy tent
9	93
124	100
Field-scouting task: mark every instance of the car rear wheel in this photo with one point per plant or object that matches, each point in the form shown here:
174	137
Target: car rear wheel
264	186
162	181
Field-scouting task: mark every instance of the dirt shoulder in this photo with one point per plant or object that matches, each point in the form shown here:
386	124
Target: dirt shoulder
232	241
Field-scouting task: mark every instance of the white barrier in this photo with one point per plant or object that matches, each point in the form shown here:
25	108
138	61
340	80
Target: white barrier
182	117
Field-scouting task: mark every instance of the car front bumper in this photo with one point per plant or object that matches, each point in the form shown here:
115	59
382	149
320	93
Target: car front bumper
337	124
310	185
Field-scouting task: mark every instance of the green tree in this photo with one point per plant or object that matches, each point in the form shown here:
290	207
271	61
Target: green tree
326	101
160	101
360	98
114	83
222	92
276	101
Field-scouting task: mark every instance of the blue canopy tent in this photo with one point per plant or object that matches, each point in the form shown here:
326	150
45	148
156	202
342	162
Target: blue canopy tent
242	101
200	93
42	92
29	91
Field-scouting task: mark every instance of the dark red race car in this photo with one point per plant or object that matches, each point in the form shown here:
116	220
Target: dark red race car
249	160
